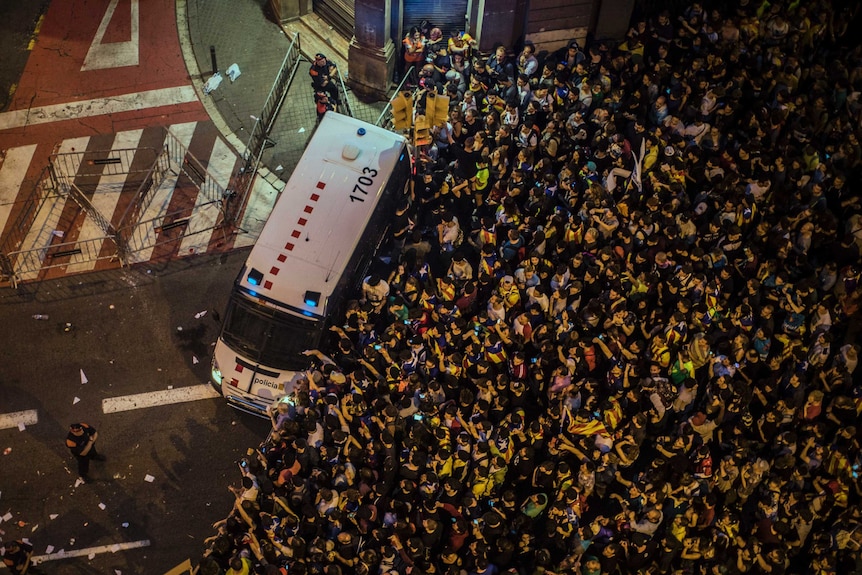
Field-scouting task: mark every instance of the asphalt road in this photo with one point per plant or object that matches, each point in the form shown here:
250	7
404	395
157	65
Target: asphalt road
17	22
123	334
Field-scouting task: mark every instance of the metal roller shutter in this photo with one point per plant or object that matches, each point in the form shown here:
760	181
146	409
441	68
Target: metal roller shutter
447	15
341	14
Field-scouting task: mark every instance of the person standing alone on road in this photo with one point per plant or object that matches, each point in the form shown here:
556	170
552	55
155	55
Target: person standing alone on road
81	441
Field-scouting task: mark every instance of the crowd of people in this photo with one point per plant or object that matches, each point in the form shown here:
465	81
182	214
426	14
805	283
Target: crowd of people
619	329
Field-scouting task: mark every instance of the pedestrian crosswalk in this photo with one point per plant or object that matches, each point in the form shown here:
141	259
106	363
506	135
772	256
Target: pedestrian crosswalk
55	232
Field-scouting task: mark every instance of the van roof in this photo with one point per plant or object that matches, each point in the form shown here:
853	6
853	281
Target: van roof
315	226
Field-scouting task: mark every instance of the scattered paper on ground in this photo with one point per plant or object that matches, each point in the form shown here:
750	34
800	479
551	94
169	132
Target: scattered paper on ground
83	377
79	482
21	426
149	478
102	506
53	516
49	549
200	314
76	400
195	361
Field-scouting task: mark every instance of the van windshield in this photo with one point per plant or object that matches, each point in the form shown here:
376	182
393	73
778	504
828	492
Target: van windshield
267	336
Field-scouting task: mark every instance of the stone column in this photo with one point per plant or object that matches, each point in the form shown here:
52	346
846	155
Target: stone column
371	56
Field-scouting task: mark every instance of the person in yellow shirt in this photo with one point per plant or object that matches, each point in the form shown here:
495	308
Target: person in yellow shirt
239	566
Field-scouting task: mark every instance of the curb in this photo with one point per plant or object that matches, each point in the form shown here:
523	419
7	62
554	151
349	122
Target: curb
195	75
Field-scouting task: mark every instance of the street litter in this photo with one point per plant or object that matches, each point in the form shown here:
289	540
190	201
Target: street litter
52	517
91	556
79	482
76	400
233	72
212	83
21	426
301	130
49	549
179	328
279	168
149	478
7	517
195	361
7	451
35	527
200	314
102	506
84	377
125	524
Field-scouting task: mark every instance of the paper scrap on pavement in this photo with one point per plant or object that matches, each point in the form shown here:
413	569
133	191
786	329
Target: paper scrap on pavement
53	516
79	482
49	549
115	548
279	168
200	314
195	361
212	83
35	527
76	400
233	72
102	506
125	524
301	130
117	572
21	426
6	517
83	377
149	478
91	556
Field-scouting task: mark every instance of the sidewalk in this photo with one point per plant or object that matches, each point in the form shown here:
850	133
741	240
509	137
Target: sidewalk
242	33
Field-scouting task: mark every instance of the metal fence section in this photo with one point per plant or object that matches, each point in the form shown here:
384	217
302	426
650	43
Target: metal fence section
29	264
145	227
82	166
36	241
23	223
257	140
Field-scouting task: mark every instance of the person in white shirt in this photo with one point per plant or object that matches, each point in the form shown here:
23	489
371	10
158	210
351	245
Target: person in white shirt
375	290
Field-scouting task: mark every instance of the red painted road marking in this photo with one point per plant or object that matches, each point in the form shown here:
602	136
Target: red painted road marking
53	73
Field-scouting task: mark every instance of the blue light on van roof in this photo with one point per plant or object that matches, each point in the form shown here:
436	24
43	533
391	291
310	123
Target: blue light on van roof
254	293
255	277
360	131
402	157
307	313
312	298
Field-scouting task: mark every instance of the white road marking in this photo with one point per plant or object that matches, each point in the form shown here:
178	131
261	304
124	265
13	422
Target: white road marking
156	398
37	559
104	199
13	170
220	166
98	107
261	200
114	54
16	418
